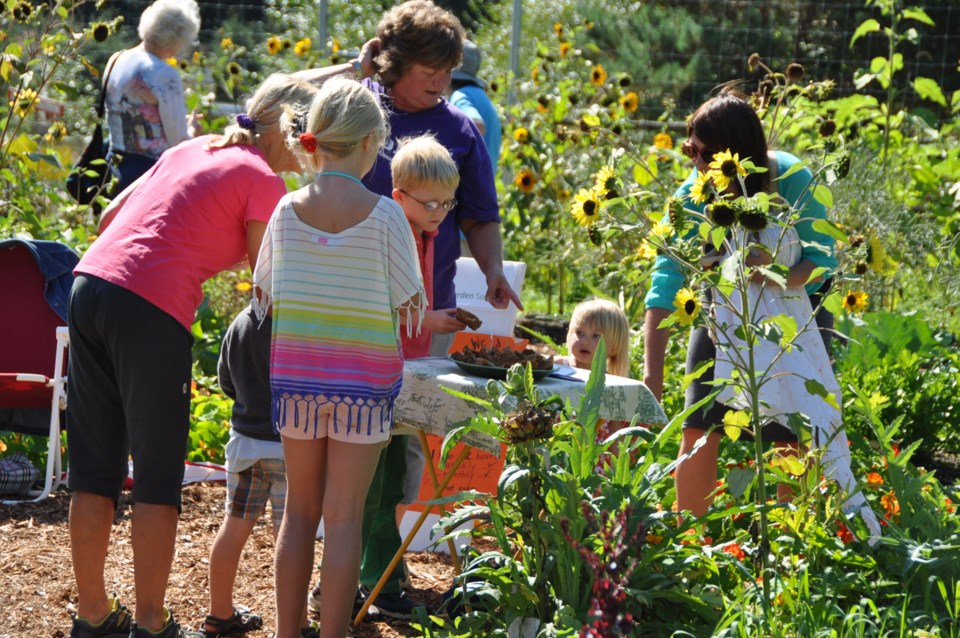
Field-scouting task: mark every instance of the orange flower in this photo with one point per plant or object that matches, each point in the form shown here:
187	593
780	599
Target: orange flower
844	534
949	505
874	478
653	539
891	505
734	550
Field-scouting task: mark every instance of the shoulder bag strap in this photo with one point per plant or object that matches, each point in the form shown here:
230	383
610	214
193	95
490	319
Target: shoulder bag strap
103	87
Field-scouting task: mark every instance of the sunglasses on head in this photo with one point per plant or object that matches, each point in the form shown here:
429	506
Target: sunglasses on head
691	151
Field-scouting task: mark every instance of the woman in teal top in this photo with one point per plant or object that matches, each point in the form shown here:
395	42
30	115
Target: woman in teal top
729	122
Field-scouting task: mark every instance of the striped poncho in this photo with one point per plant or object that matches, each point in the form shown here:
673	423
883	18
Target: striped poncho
335	298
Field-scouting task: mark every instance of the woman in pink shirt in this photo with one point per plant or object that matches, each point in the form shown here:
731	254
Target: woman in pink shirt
201	209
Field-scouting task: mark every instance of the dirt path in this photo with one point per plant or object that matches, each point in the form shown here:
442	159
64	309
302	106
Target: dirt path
37	588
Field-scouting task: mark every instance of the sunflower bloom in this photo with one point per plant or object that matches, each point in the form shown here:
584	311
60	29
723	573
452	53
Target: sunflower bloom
558	29
687	306
274	45
646	252
564	49
244	286
521	135
606	182
173	62
56	132
233	68
100	32
586	207
22	11
226	44
598	76
525	181
661	231
724	169
630	102
302	47
855	301
664	141
700	191
25	102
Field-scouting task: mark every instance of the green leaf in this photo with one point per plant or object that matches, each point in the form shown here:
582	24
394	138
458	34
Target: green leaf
787	325
867	26
928	89
591	119
816	388
918	14
735	422
823	195
641	175
828	228
798	166
739	480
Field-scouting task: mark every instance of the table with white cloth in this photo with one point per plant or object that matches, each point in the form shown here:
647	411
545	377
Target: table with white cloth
425	406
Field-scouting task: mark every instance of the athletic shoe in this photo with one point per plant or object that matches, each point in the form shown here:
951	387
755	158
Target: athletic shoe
171	629
395	605
115	625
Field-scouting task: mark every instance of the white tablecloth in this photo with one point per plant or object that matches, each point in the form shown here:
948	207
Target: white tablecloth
424	404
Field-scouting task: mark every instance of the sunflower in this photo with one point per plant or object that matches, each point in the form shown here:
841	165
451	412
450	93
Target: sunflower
233	68
543	103
22	11
564	49
687	306
828	127
753	219
855	301
243	286
287	43
876	254
753	62
226	44
274	45
302	46
724	168
676	213
630	102
335	46
525	180
794	72
197	57
558	29
521	135
172	62
598	76
56	132
100	32
606	183
661	231
646	252
24	102
663	140
586	207
722	214
701	192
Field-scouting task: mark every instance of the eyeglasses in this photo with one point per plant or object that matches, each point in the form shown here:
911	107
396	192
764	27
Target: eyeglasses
691	151
431	207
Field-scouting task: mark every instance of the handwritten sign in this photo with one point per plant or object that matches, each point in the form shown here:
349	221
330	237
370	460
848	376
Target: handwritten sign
480	471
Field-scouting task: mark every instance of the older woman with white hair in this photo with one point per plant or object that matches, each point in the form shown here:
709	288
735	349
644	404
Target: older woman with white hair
145	109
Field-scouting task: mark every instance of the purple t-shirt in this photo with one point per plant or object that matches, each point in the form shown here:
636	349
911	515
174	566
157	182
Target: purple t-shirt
477	193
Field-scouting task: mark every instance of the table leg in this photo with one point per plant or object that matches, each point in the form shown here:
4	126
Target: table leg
452	546
437	493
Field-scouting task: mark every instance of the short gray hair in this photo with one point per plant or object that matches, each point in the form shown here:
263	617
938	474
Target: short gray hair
170	23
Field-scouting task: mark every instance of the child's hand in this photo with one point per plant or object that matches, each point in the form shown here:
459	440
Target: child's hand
442	321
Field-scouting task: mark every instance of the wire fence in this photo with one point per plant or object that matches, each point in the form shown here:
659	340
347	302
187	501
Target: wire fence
680	48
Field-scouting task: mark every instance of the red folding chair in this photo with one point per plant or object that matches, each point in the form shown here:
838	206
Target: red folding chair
33	353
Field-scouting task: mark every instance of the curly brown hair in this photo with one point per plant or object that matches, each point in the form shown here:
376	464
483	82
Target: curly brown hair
417	32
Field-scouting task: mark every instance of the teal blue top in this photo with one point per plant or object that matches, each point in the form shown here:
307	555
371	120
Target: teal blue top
667	278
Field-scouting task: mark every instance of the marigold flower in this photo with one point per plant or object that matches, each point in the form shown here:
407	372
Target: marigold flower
274	45
663	141
845	535
855	301
725	168
302	47
734	550
949	505
586	207
874	478
598	76
653	539
244	286
630	102
687	306
891	505
226	44
525	180
521	135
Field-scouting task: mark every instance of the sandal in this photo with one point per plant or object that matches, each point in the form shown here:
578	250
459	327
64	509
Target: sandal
239	623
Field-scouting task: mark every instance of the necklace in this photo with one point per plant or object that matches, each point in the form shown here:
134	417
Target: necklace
340	174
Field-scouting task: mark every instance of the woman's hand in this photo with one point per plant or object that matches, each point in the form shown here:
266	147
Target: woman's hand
442	321
369	50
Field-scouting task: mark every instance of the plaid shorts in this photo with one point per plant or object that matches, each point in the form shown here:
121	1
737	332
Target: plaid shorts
249	490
